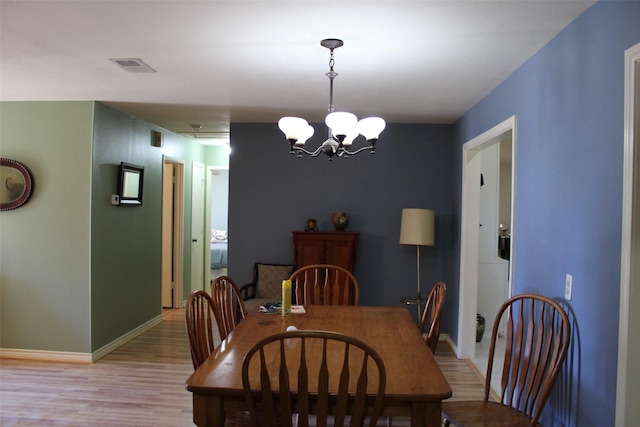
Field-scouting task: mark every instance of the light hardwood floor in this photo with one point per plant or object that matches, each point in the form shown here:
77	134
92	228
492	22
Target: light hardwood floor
139	384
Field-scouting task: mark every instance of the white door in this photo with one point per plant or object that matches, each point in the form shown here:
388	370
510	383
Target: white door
197	227
492	270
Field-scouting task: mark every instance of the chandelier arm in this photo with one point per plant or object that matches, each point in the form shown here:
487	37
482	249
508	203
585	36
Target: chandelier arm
353	153
315	153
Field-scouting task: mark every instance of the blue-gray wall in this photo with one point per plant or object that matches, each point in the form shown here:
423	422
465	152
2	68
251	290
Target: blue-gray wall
272	193
568	100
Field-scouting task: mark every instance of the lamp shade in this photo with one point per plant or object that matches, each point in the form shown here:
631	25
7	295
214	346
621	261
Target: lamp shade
341	123
371	127
348	140
293	127
305	133
417	227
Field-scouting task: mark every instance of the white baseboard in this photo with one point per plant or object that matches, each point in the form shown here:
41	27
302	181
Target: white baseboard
446	338
75	357
103	351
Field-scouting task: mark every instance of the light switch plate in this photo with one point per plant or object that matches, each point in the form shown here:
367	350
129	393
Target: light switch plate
568	287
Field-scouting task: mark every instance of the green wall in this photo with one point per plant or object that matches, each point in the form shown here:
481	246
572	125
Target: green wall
216	155
76	272
44	245
126	240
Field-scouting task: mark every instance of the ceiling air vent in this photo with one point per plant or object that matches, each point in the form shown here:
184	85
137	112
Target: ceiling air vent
132	65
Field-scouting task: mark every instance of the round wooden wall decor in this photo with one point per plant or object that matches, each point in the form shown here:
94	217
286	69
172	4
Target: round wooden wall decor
16	184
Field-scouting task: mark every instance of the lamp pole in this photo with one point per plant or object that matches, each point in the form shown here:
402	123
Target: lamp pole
417	228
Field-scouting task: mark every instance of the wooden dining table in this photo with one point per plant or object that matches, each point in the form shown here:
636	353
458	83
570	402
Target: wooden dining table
415	384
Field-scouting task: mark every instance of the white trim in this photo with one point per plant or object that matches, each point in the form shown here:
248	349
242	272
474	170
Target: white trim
468	299
75	357
198	276
207	218
208	187
220	167
632	59
494	132
446	338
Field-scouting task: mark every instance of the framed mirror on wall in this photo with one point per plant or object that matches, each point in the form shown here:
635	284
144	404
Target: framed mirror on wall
16	184
130	184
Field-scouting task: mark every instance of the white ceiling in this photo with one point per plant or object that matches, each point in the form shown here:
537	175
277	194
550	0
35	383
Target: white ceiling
255	61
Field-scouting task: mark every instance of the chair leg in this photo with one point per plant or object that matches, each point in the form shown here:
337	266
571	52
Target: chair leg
389	421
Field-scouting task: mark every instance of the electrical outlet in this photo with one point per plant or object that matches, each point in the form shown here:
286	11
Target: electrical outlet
568	287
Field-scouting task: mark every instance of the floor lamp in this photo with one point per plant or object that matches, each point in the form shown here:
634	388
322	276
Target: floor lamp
417	228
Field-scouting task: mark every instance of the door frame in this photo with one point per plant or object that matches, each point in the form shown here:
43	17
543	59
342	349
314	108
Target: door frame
628	353
198	256
178	228
469	233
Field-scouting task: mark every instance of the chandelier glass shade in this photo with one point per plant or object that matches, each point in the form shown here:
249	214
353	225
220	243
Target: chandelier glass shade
344	127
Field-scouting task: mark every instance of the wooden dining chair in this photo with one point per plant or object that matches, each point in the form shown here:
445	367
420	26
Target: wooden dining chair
346	384
228	304
199	317
325	284
536	344
432	315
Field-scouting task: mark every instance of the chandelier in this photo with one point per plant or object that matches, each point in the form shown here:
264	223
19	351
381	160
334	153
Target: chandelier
344	127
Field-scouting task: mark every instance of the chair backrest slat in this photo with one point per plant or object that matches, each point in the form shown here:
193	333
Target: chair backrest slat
228	304
317	391
536	345
199	319
432	315
325	284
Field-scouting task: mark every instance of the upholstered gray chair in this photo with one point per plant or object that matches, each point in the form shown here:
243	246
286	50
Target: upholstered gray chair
266	285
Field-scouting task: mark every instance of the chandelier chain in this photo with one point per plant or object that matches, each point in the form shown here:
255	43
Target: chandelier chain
331	61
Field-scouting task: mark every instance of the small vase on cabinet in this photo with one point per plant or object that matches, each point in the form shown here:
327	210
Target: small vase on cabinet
340	220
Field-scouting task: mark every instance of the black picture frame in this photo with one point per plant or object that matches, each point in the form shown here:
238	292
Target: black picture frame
130	184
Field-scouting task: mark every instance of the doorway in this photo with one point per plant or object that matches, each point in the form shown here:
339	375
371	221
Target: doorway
628	379
474	268
172	232
217	220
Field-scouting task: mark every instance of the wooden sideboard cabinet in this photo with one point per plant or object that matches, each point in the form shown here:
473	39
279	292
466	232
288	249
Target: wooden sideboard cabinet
318	247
